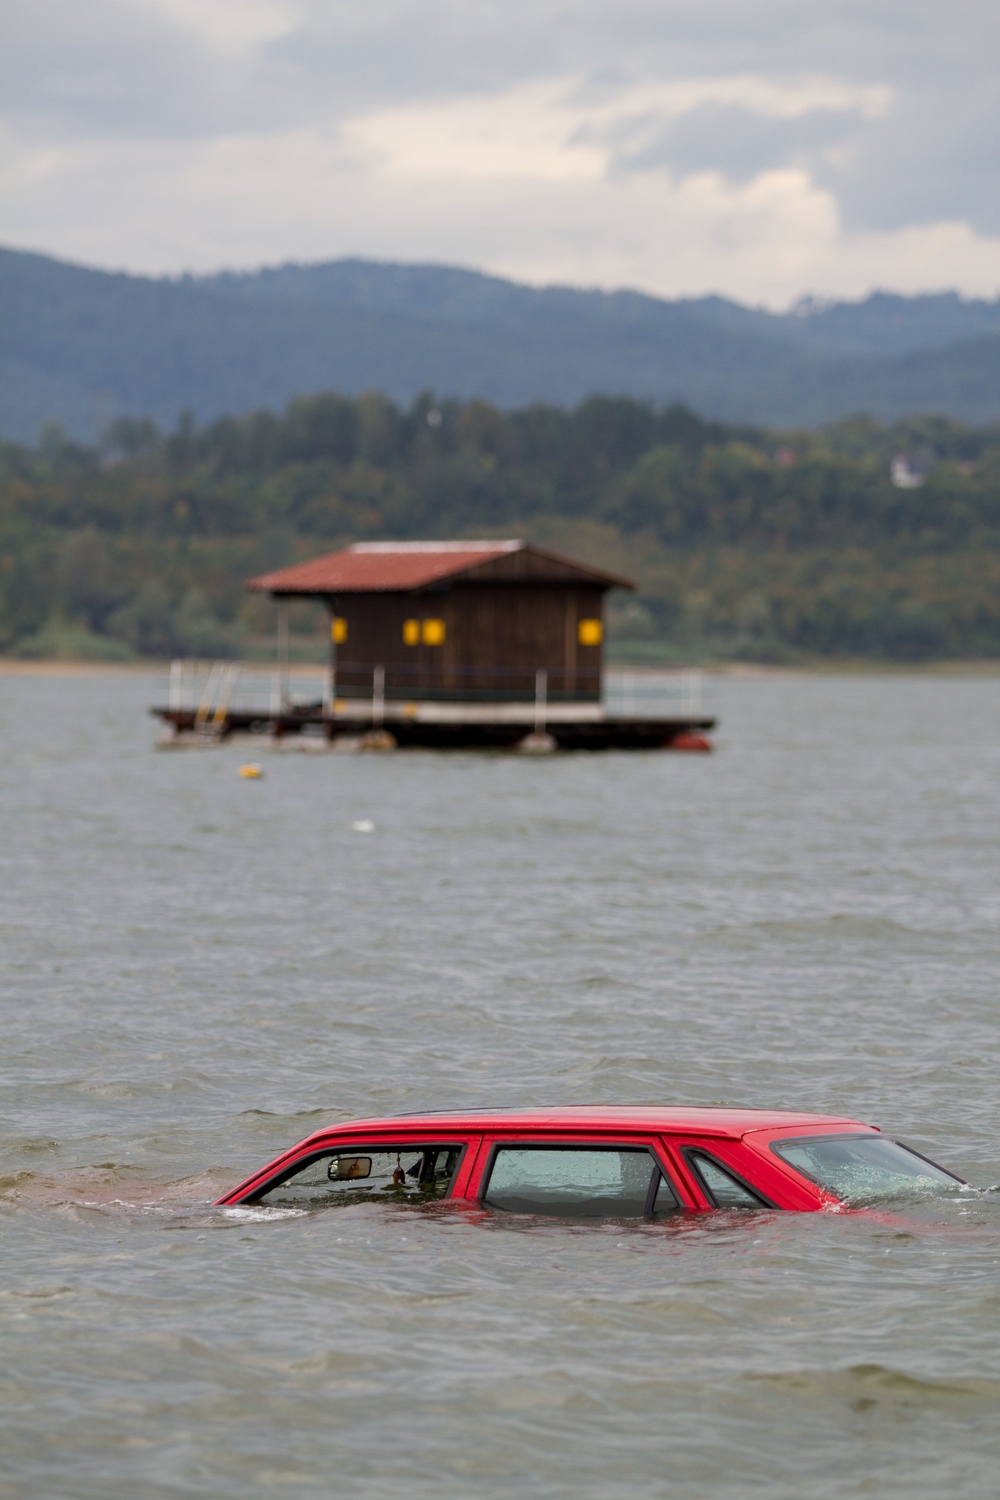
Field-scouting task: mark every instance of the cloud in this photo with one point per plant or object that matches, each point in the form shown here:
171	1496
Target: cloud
684	146
228	27
560	129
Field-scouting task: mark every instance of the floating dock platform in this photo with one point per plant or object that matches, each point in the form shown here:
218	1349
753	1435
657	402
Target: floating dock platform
639	712
459	732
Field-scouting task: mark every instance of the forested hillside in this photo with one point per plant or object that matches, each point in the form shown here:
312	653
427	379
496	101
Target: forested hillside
746	543
82	346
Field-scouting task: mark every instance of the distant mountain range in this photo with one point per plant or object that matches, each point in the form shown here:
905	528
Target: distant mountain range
79	346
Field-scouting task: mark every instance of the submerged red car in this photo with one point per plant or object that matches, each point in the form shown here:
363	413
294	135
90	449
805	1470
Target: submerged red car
598	1162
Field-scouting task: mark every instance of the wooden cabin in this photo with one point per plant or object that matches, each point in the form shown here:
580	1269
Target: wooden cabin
457	621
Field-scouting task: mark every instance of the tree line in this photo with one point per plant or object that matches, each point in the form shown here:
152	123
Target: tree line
746	542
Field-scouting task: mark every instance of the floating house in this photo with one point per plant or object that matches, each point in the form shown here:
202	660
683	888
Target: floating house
459	622
448	644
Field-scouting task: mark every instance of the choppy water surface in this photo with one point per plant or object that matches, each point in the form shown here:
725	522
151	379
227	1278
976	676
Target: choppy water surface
198	970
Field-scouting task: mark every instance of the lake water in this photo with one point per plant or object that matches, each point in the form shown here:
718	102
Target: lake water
199	969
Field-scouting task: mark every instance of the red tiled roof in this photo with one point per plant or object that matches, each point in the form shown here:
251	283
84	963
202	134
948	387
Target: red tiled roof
373	567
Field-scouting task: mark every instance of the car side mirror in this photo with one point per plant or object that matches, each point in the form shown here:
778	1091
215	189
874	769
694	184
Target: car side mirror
349	1168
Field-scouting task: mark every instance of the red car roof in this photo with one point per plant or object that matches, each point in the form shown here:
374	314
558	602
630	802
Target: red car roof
686	1118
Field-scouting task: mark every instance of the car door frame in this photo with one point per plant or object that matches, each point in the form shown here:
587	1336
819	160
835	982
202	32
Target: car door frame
568	1139
467	1141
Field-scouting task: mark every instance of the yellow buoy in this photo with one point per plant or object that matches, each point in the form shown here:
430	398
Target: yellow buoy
251	772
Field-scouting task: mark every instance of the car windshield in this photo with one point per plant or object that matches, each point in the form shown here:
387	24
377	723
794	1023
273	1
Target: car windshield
864	1166
387	1173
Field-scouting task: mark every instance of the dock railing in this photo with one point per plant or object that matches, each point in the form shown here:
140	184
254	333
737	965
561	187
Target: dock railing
650	692
212	690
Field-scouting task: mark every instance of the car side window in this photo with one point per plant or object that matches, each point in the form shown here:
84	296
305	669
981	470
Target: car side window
383	1173
722	1188
575	1181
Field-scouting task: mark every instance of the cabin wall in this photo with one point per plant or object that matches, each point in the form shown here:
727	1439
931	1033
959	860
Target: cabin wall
496	637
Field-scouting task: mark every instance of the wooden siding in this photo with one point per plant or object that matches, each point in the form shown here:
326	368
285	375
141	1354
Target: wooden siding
497	636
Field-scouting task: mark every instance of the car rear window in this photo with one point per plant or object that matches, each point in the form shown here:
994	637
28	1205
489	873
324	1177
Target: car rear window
855	1167
580	1182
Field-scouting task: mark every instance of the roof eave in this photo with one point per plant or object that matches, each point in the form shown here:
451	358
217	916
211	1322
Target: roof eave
261	586
611	580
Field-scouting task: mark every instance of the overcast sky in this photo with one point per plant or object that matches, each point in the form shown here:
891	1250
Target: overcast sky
764	149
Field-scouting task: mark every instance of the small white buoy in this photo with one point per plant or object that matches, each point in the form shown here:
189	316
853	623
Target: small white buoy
537	743
363	825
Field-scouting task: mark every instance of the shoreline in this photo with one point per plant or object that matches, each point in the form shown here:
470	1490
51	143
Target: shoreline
16	667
